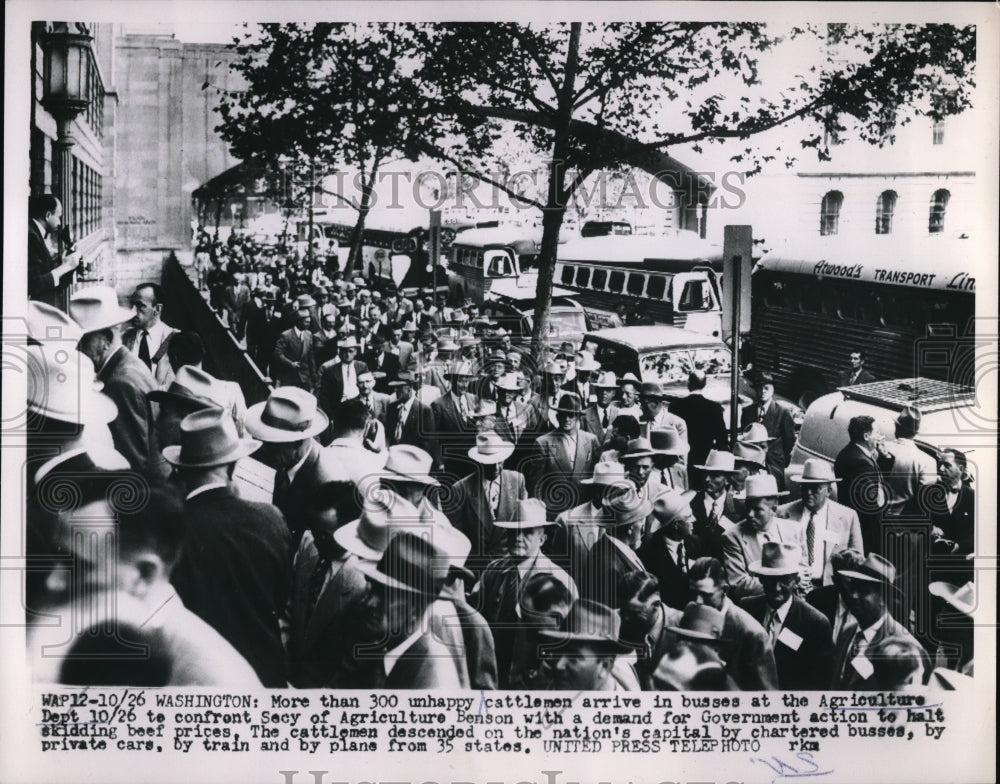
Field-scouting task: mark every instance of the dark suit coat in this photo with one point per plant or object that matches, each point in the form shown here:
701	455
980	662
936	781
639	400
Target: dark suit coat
427	664
418	429
591	422
235	572
324	348
290	349
748	654
331	385
163	372
553	477
809	667
959	524
314	637
455	436
319	468
127	381
675	588
262	333
469	511
709	536
860	475
705	425
781	427
603	570
845	677
41	262
864	377
390	367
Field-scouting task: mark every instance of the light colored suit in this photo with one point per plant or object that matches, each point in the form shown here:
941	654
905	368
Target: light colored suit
469	510
843	531
913	469
554	475
740	548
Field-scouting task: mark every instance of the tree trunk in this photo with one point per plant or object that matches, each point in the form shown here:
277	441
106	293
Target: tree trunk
555	206
355	259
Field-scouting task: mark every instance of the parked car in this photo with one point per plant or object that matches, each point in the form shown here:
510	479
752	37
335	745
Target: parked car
567	319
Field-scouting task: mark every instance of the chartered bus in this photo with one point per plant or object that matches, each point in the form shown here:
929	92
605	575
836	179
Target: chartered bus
499	259
674	279
911	315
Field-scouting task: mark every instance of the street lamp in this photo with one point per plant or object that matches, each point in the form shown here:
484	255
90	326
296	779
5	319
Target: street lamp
65	93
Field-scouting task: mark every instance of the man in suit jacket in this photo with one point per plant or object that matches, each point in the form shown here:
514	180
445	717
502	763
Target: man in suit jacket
562	459
264	327
714	508
614	555
380	359
597	417
488	494
778	422
800	635
741	546
408	421
403	349
48	276
147	300
706	426
234	571
950	505
402	587
744	645
826	525
860	466
866	593
856	373
293	361
453	421
289	420
126	380
338	379
669	551
326	588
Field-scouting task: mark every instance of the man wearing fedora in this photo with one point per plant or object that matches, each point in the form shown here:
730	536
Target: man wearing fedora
668	552
235	568
562	458
669	454
496	594
827	526
714	508
516	419
581	655
191	390
777	420
436	371
645	623
861	467
338	379
637	457
706	426
489	493
578	529
866	592
913	468
655	414
586	366
544	603
126	379
380	359
553	377
614	555
289	422
453	420
597	417
800	634
692	661
746	649
409	420
402	586
293	362
741	546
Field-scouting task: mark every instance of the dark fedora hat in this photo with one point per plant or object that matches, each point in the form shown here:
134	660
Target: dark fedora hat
410	563
874	569
700	622
208	439
588	622
569	403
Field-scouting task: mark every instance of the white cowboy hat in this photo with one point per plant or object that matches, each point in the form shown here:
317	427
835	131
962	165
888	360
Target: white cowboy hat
490	448
96	307
289	414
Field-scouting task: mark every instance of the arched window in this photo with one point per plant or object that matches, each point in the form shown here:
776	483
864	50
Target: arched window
939	203
884	209
829	213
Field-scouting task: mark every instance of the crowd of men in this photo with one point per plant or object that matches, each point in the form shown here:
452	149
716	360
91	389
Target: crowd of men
448	513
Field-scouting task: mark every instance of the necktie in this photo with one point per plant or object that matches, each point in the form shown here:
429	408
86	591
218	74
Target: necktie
281	485
463	406
317	579
507	596
811	535
772	625
144	350
604	419
682	558
399	425
665	478
494	496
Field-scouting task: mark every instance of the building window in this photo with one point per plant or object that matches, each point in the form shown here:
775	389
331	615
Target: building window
939	203
937	131
829	213
884	209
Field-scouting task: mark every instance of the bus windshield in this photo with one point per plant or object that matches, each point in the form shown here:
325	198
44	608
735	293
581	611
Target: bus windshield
674	365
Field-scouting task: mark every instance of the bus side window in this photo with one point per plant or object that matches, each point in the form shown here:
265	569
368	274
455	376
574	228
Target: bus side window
636	283
694	296
566	275
600	278
616	282
582	277
657	287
